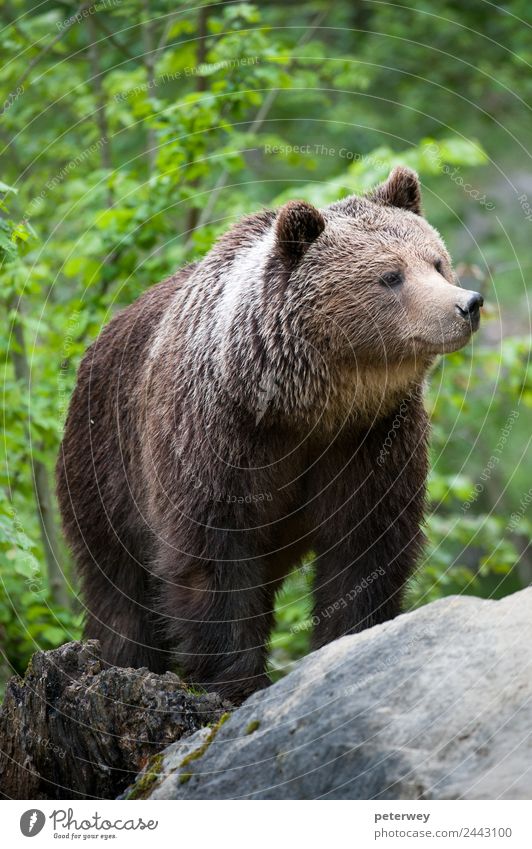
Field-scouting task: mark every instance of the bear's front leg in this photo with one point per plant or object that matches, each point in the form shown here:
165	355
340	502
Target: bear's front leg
367	527
360	581
218	615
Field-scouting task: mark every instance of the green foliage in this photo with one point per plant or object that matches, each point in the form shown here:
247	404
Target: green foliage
134	136
481	404
293	610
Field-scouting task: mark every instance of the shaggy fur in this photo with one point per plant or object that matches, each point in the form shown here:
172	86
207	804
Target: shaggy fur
233	419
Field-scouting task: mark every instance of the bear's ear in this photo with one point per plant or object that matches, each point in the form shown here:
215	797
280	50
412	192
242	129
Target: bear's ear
298	225
401	189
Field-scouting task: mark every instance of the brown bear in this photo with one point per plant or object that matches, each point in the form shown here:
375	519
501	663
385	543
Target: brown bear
260	404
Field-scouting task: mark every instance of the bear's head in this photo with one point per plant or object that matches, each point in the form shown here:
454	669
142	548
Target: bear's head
379	279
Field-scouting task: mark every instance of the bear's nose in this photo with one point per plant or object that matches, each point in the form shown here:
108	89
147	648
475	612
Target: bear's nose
470	307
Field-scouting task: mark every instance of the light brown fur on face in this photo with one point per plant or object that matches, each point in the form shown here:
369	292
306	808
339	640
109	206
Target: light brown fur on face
415	320
365	343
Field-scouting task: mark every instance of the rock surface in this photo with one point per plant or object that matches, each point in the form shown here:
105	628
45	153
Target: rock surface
74	729
434	705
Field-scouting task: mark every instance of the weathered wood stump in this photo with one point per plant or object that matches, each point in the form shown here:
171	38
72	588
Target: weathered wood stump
74	729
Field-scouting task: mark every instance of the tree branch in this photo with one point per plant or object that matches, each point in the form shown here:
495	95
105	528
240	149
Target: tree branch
256	125
45	50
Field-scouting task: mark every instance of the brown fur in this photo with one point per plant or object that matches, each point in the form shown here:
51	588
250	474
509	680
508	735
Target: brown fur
231	420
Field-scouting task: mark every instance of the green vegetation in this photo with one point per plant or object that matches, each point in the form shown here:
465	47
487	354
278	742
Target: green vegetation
198	753
133	133
147	779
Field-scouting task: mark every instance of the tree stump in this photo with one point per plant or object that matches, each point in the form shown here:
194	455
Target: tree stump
72	729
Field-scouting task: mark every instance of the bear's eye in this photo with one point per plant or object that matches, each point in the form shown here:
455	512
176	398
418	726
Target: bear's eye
438	265
392	278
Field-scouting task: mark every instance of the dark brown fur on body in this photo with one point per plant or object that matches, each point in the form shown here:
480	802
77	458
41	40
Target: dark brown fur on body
235	417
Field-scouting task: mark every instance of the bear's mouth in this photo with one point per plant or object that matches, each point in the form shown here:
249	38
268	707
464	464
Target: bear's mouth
459	331
445	345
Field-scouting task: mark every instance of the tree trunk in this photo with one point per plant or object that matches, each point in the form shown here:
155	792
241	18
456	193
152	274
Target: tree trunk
99	96
41	483
201	85
73	729
149	58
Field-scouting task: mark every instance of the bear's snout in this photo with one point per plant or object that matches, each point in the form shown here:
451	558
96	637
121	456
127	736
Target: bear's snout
469	308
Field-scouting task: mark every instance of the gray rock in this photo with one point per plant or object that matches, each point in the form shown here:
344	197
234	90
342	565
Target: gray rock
434	705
